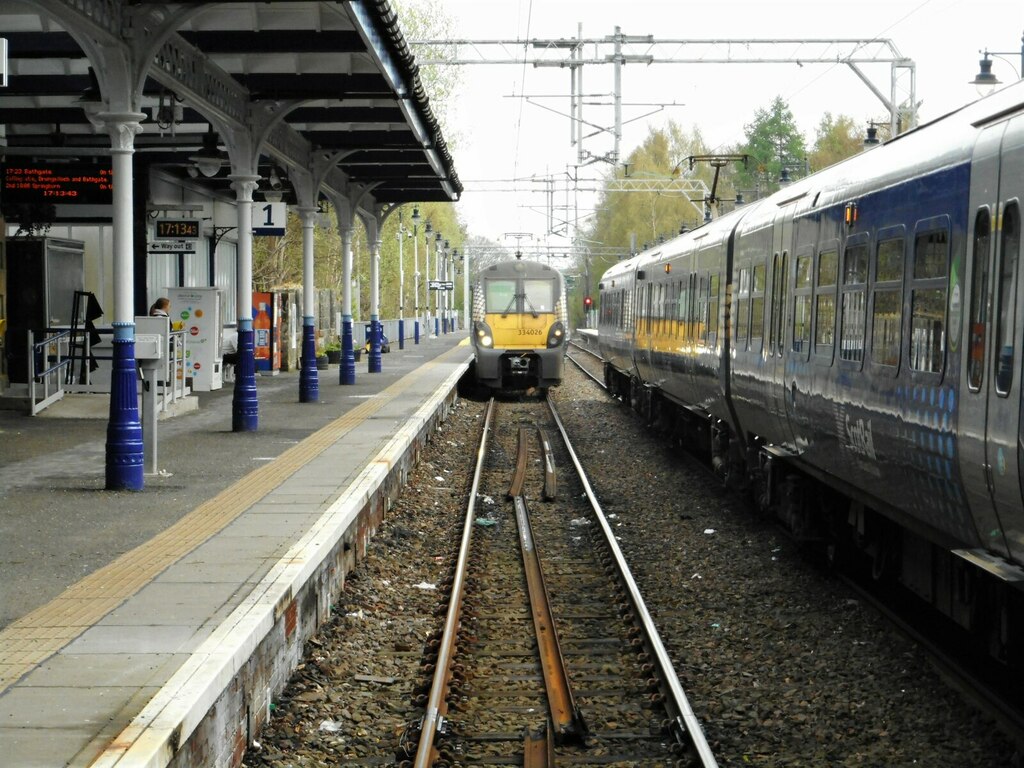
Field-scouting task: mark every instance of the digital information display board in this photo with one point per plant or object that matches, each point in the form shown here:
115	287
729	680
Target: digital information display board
35	184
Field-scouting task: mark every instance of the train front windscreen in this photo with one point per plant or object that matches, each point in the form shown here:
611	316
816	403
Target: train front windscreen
534	296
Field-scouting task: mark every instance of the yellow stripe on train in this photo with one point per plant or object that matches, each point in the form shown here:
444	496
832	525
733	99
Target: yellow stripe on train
520	331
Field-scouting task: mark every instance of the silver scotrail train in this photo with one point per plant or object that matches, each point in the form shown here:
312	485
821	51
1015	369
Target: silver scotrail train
850	350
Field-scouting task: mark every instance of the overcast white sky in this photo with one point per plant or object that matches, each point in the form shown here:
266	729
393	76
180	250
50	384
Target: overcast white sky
501	136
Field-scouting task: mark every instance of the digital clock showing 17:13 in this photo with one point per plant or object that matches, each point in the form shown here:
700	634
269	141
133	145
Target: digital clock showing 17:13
177	228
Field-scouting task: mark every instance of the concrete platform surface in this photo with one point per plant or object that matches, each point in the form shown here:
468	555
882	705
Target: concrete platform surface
112	602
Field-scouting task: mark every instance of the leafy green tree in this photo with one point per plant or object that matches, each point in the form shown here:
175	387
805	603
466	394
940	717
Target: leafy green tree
629	220
444	219
428	20
837	139
773	142
277	261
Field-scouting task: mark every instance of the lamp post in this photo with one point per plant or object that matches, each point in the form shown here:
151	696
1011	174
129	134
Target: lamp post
427	232
401	284
985	81
464	260
447	318
416	274
437	276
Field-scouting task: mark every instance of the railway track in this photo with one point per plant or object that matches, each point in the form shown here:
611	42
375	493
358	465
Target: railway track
965	669
588	361
548	654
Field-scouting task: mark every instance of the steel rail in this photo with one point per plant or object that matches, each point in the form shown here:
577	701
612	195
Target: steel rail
585	348
437	708
583	368
516	486
565	717
686	722
550	479
538	750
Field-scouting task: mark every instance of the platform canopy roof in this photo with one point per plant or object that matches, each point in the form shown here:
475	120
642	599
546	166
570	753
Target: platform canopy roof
326	87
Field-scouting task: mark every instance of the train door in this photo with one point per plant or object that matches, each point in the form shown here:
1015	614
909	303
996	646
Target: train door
1005	389
643	292
991	375
780	310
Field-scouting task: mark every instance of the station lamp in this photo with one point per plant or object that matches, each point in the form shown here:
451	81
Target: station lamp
985	81
208	160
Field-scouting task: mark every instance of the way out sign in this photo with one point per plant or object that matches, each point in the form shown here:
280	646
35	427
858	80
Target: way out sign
269	218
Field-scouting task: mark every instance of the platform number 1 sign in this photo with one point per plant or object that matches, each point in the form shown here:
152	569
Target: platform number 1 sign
269	218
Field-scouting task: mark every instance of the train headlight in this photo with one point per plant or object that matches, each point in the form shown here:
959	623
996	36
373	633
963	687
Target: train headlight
556	334
484	337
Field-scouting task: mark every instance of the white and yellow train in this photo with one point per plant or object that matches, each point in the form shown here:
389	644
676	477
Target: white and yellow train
520	326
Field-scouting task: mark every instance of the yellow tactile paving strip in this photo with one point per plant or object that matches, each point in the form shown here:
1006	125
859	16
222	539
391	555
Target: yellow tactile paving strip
35	637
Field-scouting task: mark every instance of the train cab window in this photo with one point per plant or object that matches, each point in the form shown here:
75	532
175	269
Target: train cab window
887	303
854	303
757	306
979	298
1005	311
825	303
500	295
928	301
538	296
742	306
802	304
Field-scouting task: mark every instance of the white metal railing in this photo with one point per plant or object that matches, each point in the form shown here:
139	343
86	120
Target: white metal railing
83	381
47	364
52	374
171	385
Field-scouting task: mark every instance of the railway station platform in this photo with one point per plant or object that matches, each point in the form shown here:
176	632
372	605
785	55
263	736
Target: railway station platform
153	628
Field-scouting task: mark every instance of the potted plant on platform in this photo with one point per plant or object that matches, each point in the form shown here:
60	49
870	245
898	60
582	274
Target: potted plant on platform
333	350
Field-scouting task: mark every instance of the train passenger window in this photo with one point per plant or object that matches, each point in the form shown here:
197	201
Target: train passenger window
681	309
979	299
691	309
701	316
743	306
712	314
784	297
887	306
854	307
757	305
671	307
774	304
802	304
825	305
1009	247
928	301
779	293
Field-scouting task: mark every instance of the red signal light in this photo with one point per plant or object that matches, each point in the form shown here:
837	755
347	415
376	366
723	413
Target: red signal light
588	302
